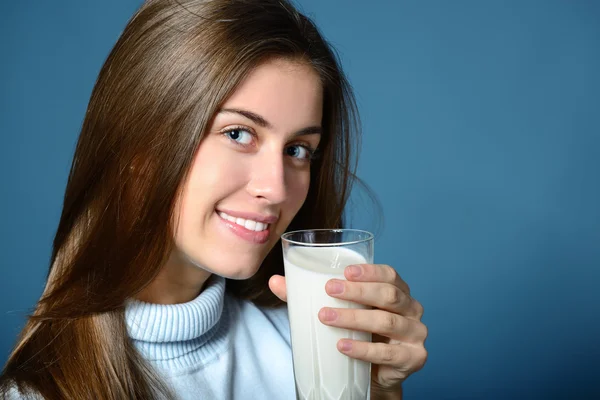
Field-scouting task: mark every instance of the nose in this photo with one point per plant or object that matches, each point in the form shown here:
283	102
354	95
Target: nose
267	178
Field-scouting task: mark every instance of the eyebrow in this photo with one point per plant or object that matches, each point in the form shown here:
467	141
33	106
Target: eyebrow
263	123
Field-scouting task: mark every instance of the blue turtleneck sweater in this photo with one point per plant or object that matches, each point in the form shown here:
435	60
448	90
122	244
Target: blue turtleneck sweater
216	346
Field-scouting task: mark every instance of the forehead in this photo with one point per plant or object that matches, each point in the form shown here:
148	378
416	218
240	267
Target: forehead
282	91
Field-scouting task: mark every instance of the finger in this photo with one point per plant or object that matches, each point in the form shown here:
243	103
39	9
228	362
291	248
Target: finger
277	286
375	273
375	321
402	356
384	296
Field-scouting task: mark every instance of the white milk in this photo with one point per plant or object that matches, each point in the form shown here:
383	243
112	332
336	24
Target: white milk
321	371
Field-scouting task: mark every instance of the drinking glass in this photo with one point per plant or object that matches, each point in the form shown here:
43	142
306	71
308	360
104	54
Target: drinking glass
311	258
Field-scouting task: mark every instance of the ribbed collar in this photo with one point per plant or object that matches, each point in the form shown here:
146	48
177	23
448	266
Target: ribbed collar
179	335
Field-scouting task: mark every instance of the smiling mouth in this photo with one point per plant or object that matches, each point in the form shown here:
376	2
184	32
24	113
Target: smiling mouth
249	230
248	224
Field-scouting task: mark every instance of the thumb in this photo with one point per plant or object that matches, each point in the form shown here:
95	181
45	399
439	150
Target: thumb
277	286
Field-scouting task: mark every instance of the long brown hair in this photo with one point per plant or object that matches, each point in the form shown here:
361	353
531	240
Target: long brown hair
174	65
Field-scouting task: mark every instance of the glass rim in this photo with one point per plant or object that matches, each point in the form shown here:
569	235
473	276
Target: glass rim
369	237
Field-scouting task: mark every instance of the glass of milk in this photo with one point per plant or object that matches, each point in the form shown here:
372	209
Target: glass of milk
311	258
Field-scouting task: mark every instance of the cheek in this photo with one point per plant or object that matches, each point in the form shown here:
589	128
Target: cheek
215	174
298	191
182	215
191	206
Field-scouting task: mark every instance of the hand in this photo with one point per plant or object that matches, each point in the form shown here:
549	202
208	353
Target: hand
398	347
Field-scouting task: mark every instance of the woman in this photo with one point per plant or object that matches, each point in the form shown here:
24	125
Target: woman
214	126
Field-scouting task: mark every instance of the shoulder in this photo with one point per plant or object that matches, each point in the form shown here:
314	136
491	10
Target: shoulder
261	349
278	317
13	393
262	319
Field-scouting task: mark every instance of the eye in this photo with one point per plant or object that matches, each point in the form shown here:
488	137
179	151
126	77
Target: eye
239	135
299	151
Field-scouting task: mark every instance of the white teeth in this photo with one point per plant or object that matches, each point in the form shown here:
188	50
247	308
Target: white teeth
246	223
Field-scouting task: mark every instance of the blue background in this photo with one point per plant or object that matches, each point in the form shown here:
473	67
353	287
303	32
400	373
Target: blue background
482	142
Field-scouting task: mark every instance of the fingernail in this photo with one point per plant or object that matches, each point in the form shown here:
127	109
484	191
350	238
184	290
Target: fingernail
345	346
354	271
327	314
335	287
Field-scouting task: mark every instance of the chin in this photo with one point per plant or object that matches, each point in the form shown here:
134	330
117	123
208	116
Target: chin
228	261
233	266
240	274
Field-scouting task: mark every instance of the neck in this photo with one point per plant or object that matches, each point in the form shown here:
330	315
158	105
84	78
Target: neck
179	281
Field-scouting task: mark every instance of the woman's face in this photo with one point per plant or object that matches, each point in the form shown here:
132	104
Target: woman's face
251	173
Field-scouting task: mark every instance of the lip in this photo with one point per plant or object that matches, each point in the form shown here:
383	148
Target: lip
243	233
265	219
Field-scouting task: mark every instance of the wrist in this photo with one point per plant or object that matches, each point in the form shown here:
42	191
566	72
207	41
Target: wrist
379	393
